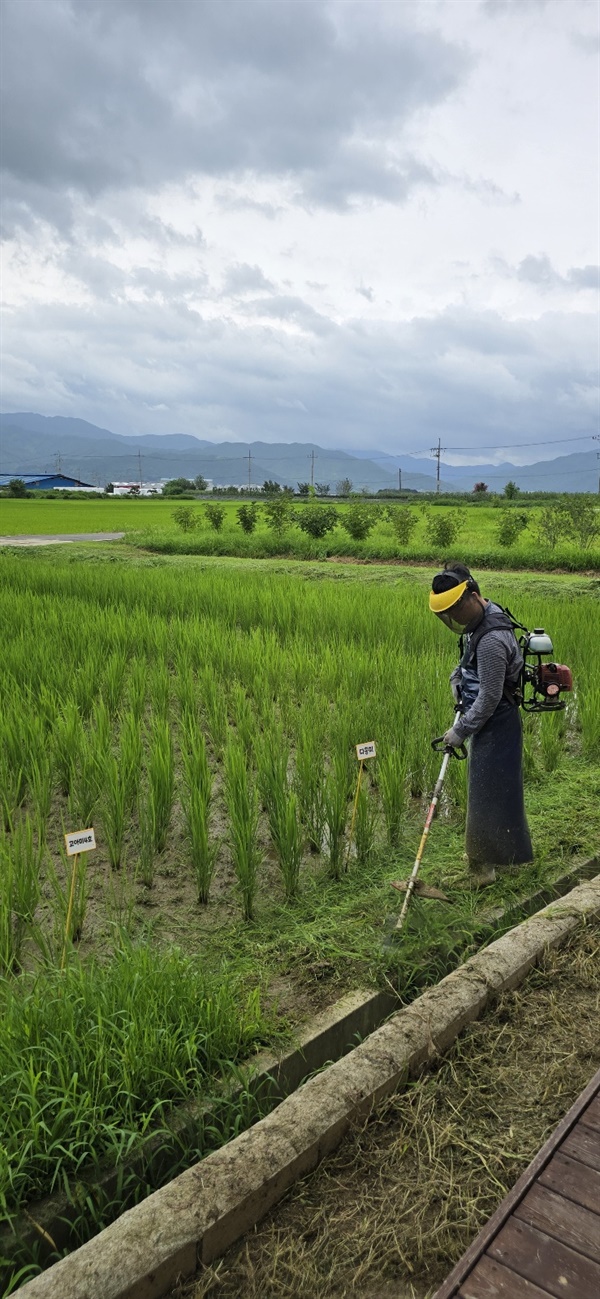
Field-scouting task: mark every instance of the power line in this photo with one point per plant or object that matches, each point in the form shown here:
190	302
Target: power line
510	446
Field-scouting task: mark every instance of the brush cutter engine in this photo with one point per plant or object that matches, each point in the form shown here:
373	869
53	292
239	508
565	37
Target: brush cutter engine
542	684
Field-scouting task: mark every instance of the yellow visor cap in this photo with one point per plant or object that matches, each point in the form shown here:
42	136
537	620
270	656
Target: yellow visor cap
445	599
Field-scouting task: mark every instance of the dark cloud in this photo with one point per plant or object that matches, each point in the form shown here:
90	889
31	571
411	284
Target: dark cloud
540	271
100	96
470	377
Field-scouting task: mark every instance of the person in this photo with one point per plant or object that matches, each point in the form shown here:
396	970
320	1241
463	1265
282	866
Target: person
485	687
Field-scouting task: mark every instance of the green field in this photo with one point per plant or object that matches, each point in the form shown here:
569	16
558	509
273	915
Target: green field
149	524
202	715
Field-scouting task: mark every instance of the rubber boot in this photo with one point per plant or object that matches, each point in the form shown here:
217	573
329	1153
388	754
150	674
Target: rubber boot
481	875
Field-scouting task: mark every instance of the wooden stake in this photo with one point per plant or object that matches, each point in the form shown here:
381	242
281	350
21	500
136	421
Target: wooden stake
69	910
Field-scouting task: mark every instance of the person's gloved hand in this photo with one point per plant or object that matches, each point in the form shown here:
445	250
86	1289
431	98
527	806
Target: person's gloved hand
452	738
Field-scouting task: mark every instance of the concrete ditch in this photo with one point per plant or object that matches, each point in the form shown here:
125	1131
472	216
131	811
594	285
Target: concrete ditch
200	1213
50	1224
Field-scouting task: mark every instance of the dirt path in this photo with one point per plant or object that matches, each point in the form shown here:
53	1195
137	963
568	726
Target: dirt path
390	1212
55	539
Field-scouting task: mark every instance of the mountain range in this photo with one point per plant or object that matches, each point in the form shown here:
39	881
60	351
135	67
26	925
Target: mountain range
32	443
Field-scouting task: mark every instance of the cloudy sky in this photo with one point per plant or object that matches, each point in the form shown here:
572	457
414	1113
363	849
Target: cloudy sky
367	225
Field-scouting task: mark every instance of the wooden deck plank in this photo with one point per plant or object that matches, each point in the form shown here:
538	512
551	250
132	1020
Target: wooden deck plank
545	1261
562	1219
572	1179
567	1177
583	1144
490	1280
591	1116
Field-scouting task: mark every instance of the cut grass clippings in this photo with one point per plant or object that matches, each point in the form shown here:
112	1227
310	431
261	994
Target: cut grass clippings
394	1208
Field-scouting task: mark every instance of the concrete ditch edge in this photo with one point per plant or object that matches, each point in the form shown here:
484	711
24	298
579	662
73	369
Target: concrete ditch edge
205	1209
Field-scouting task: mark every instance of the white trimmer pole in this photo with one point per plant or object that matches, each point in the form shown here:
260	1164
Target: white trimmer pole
430	815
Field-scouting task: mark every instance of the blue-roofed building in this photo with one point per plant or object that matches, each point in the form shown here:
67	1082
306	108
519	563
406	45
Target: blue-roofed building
43	482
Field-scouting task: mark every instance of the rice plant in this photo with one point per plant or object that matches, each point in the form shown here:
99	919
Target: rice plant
42	788
130	756
161	782
241	796
365	827
196	802
281	805
66	745
336	809
114	810
20	888
392	780
309	784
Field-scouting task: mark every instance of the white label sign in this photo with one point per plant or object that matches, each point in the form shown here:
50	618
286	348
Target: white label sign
80	841
367	750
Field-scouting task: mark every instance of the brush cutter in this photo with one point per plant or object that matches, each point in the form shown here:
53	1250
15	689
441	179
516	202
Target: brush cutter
412	885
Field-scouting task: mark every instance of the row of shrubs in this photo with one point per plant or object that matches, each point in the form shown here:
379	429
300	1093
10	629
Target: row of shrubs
574	519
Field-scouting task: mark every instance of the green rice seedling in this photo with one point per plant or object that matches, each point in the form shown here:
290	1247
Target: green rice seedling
196	800
10	786
41	783
391	774
365	828
13	756
281	805
26	856
114	810
74	880
160	690
130	756
552	740
214	708
66	745
145	865
336	808
114	677
136	691
9	950
309	782
241	797
243	717
161	778
185	691
86	781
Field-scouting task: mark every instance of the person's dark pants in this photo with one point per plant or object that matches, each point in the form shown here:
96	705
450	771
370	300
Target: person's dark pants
497	830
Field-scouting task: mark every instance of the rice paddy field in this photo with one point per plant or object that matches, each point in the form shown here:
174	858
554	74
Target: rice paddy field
150	524
201	714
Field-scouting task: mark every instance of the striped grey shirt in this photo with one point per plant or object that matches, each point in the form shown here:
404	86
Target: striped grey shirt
498	661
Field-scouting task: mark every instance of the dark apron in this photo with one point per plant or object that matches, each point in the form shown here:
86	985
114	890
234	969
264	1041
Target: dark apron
497	830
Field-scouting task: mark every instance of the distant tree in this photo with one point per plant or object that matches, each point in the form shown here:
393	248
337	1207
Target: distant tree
200	483
344	487
185	517
443	529
278	513
317	520
480	488
109	489
248	516
511	490
582	520
552	524
304	489
16	487
322	489
176	486
510	526
270	487
359	519
215	515
403	521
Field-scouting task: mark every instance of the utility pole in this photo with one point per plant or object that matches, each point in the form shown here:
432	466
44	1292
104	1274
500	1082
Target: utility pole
249	468
312	468
140	467
438	452
58	461
399	479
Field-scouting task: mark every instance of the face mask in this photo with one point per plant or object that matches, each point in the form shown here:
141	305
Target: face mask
451	623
